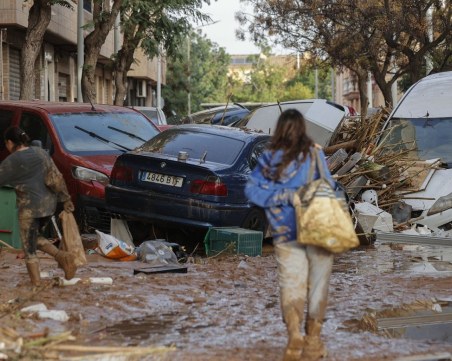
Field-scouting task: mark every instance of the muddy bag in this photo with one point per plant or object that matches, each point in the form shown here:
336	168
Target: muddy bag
322	218
72	242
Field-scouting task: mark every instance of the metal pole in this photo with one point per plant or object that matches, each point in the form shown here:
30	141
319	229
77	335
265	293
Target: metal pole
316	89
159	78
1	63
369	89
333	85
189	77
428	60
80	50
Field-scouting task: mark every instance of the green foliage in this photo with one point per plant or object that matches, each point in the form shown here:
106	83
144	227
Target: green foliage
199	67
266	81
160	23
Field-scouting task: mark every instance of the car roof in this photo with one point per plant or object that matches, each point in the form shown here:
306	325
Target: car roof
62	107
236	133
142	107
430	97
218	109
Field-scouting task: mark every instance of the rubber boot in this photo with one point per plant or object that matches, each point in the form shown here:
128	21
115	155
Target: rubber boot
65	259
293	320
33	271
313	349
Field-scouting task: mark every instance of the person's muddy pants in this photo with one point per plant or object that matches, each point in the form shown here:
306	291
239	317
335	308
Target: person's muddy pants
304	275
31	234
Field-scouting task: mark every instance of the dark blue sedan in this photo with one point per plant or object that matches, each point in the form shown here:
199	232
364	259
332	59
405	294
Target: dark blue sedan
189	175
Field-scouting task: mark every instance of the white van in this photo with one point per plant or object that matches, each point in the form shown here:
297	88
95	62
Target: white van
421	124
322	117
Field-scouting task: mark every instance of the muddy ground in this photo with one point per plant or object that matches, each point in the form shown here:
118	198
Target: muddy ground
223	308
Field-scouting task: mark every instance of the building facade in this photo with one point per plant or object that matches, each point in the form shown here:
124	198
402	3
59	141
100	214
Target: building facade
56	66
346	91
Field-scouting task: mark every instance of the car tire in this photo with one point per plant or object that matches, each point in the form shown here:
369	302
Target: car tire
256	220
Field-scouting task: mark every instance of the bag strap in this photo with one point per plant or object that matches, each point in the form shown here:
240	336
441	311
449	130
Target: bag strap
320	166
312	166
316	162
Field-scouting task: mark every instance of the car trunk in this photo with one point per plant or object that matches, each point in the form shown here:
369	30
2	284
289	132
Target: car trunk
168	175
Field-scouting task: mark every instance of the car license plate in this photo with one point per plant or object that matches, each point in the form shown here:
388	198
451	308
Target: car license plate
162	179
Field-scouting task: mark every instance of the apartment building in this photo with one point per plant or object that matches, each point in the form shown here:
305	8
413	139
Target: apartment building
56	66
346	91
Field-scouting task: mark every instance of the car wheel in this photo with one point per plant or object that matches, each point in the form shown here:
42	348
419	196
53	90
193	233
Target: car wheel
256	221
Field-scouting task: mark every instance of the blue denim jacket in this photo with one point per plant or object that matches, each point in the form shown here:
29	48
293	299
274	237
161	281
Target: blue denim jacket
276	196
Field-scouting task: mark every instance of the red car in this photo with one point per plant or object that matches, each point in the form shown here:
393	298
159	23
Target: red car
84	141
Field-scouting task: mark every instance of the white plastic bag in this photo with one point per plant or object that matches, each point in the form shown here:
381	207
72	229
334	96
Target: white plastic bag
111	247
120	229
157	253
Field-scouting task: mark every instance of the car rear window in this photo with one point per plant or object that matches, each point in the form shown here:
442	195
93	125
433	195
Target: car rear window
82	133
210	147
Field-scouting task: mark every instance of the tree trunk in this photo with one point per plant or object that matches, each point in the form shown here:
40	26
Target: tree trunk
120	87
38	21
103	23
362	88
385	87
124	60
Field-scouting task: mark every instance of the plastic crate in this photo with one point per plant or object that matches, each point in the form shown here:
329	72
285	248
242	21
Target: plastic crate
233	240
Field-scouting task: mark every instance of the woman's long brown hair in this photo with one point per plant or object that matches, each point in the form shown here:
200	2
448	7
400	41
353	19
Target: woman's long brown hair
290	137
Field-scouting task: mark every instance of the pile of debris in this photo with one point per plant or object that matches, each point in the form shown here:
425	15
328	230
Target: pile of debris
377	177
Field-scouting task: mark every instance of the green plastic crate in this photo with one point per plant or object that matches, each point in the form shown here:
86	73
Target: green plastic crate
9	223
233	240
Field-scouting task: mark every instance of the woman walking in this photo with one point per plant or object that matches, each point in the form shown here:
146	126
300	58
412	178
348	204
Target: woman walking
39	186
303	271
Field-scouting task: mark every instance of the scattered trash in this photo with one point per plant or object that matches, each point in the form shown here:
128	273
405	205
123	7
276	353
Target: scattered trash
46	274
64	282
372	218
94	280
120	230
101	280
113	248
161	269
243	264
157	253
54	315
34	308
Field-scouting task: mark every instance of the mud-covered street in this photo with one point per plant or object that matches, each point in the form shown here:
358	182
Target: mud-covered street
227	307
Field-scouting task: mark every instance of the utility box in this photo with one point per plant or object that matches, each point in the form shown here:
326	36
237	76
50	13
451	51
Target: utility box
233	240
9	223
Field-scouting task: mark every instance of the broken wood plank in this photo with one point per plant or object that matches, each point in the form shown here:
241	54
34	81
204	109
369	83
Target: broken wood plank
355	158
345	146
336	160
355	186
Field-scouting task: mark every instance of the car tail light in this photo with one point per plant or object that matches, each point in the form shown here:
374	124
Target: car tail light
122	173
211	186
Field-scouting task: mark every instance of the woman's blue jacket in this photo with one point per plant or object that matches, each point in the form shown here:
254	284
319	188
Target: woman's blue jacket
276	196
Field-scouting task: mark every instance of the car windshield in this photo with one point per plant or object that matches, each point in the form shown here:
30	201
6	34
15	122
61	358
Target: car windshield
421	138
199	145
106	133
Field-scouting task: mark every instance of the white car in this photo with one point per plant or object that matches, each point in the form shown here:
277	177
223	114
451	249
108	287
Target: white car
322	117
155	114
421	123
